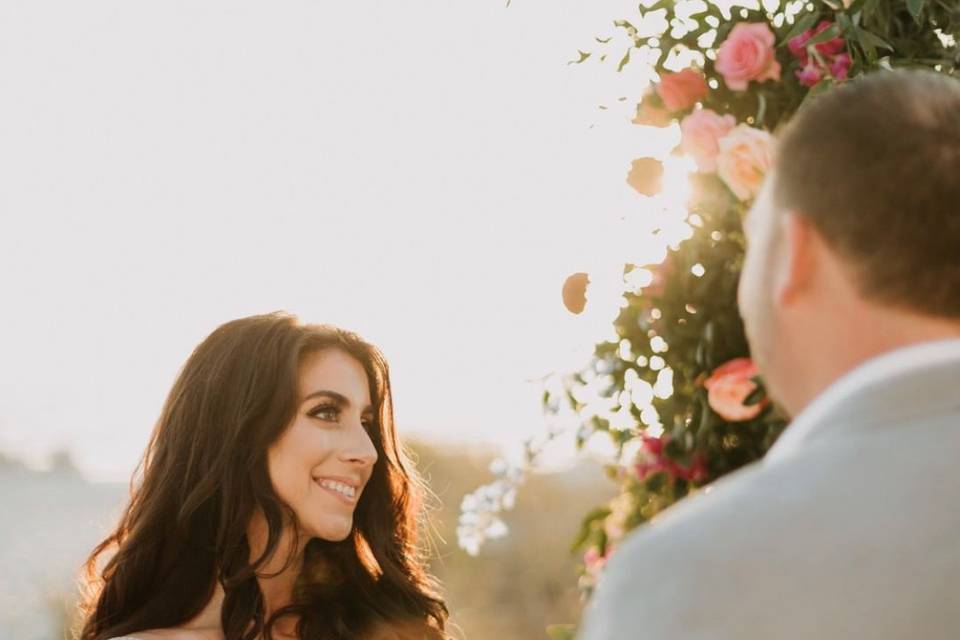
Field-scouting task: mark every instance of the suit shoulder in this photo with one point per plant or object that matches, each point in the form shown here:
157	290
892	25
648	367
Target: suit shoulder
672	576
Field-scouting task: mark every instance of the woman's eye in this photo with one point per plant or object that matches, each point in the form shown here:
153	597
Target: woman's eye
327	413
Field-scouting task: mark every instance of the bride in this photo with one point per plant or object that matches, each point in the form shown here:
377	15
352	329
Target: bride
274	502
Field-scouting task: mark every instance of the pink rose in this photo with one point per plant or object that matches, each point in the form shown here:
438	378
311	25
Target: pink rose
682	90
744	158
729	386
700	133
748	54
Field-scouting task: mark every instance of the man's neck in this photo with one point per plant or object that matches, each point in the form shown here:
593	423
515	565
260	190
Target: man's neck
841	351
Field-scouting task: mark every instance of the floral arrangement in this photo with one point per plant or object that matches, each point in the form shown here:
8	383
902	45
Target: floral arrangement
677	393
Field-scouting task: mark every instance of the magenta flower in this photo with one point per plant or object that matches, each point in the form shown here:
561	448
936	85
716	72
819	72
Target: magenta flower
810	75
654	460
840	66
821	60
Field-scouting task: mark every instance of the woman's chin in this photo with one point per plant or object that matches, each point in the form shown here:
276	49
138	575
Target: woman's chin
332	531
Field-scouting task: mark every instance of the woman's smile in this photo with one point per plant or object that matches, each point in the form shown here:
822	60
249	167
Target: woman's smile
348	492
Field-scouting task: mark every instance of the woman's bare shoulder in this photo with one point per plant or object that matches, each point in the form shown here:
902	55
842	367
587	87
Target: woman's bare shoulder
172	634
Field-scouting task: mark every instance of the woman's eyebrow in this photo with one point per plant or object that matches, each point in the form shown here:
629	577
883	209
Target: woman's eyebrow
333	395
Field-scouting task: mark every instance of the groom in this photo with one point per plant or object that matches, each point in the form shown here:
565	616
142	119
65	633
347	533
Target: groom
850	527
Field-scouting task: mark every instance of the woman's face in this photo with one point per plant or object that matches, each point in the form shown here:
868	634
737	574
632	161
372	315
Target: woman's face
321	463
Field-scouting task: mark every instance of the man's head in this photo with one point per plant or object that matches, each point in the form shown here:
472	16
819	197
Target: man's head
854	241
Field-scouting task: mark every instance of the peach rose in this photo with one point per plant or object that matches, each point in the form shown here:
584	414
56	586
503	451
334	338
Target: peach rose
729	386
700	133
748	54
745	156
650	112
682	90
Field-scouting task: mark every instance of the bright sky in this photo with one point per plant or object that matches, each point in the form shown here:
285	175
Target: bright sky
425	173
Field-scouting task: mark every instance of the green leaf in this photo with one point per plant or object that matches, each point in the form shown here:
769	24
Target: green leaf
829	33
655	482
915	7
799	27
624	60
874	39
845	23
586	527
604	40
756	397
869	7
562	632
870	42
583	56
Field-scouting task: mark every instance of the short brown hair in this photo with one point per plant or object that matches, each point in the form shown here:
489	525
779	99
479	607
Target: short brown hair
875	165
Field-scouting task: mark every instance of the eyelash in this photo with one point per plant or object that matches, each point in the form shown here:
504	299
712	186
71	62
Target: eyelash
315	413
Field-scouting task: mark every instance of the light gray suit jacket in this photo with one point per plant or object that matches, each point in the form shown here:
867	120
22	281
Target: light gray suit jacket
853	534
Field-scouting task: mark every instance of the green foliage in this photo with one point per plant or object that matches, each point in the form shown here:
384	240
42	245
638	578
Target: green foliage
562	632
687	321
583	56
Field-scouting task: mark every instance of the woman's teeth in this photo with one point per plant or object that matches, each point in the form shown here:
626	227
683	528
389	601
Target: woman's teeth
339	487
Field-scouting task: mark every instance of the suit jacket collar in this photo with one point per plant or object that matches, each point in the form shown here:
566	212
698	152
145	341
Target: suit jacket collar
895	387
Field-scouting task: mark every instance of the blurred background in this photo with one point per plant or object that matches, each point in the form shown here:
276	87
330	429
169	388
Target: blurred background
425	173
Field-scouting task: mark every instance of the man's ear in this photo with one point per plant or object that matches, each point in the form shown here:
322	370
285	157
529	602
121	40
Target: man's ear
799	245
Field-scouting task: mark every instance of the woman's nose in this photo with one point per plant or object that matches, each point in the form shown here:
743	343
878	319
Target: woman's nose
360	449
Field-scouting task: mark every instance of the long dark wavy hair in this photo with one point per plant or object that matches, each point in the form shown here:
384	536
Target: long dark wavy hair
204	475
